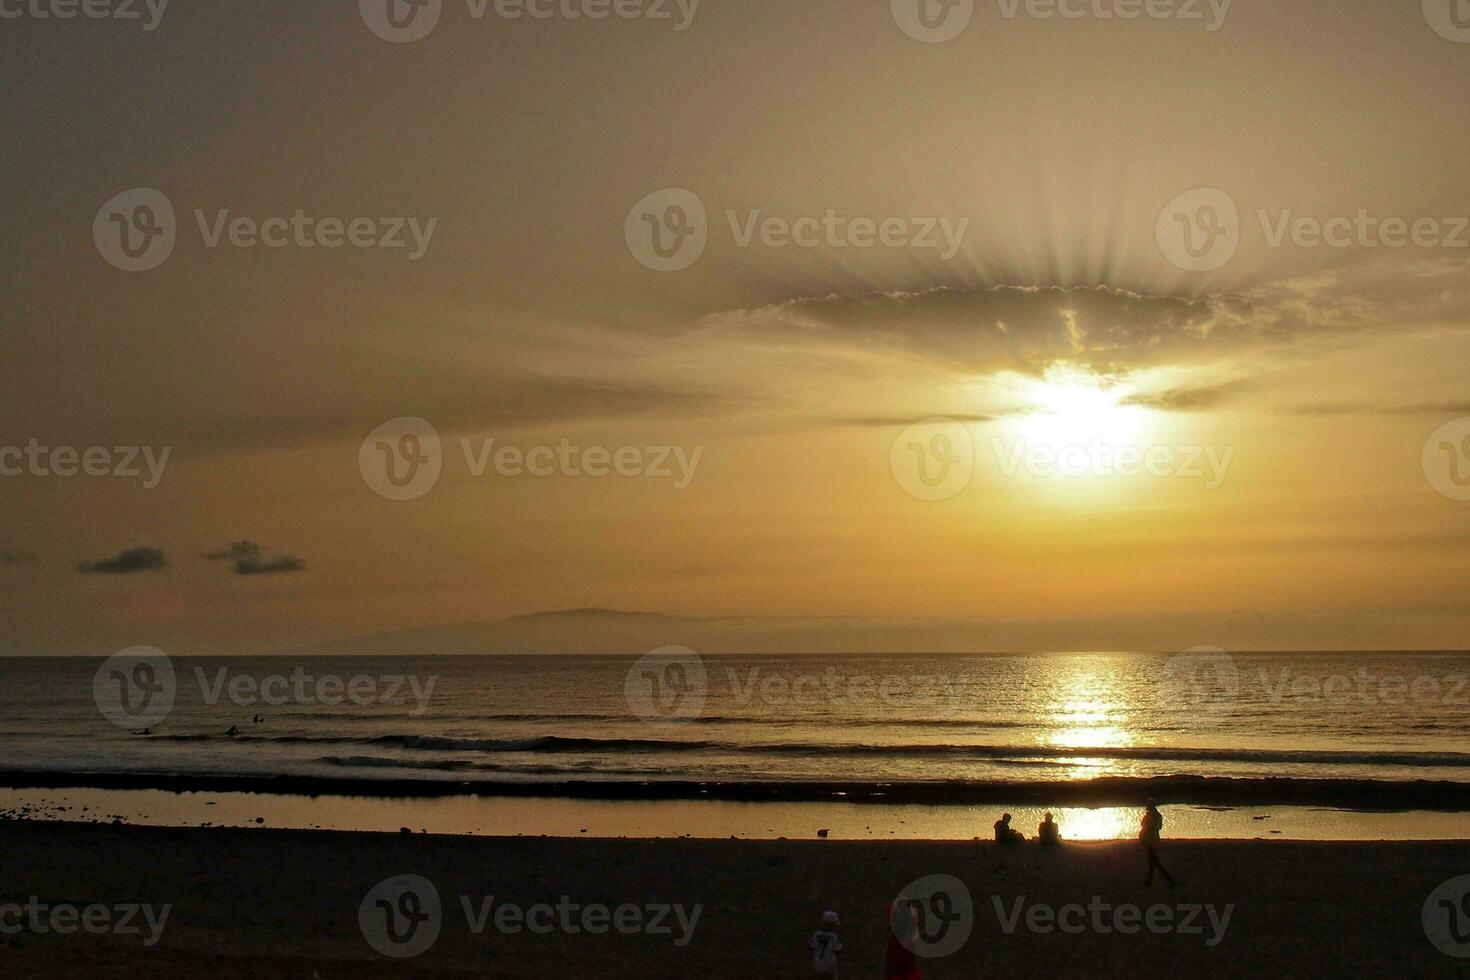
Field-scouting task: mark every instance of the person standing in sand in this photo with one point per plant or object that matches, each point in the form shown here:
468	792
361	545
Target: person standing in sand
1149	830
825	946
899	960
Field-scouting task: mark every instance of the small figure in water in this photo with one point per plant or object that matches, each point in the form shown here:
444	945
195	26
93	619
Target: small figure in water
234	730
1148	832
259	719
146	731
1049	833
1004	834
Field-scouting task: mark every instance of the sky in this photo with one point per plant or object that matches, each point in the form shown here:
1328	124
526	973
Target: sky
1081	331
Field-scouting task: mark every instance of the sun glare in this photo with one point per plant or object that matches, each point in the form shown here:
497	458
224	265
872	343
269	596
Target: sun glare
1072	406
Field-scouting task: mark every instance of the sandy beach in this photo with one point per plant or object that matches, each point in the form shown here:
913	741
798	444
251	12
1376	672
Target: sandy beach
268	903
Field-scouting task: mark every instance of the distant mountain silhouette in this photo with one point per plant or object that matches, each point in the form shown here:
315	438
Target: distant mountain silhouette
611	631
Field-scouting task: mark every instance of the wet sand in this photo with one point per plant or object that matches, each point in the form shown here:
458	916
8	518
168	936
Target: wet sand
268	903
532	816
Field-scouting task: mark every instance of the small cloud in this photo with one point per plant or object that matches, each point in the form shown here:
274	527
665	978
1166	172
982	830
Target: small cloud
897	422
1420	409
247	558
1200	398
126	563
17	558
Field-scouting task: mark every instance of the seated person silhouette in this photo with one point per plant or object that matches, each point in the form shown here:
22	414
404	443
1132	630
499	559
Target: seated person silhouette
1006	836
1048	832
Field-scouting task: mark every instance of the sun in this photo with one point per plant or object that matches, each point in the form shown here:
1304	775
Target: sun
1070	406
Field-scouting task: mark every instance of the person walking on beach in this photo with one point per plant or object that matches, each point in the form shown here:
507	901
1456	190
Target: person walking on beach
1049	833
1148	832
825	946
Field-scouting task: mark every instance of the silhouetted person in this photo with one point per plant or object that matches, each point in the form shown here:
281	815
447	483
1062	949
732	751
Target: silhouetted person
825	946
899	959
234	730
259	719
1004	835
1049	833
1148	832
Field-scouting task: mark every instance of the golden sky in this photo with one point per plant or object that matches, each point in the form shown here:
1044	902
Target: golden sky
1018	184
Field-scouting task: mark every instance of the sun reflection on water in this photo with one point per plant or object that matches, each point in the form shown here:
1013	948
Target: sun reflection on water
1103	823
1088	710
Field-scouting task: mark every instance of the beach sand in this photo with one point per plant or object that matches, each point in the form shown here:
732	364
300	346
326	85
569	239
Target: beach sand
268	903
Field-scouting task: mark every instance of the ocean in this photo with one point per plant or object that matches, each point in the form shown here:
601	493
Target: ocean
1360	727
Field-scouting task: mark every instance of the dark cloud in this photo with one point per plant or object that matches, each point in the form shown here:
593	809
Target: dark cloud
1027	328
1201	398
894	421
17	558
1023	328
1416	409
247	558
126	562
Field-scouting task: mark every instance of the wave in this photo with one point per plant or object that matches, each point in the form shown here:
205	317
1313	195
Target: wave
712	720
468	765
551	744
